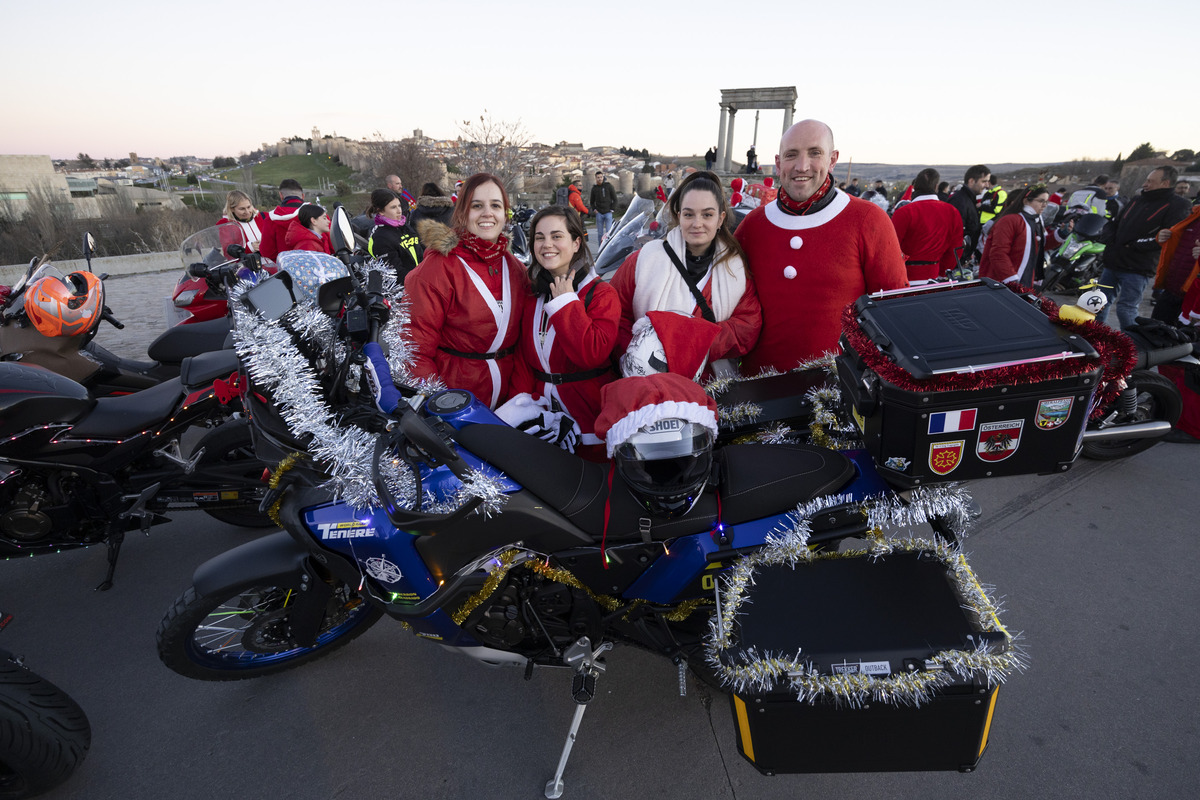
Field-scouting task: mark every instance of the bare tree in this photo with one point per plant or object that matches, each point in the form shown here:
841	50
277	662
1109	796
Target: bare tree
491	145
414	167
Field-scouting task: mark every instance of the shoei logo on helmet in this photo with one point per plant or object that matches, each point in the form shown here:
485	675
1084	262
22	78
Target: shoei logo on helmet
670	425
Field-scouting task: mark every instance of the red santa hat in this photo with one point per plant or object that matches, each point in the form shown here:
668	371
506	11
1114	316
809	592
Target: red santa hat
768	182
668	341
737	185
735	199
630	404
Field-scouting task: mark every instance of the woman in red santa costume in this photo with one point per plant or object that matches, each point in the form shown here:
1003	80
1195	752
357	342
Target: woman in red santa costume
240	225
468	296
1017	242
570	327
699	269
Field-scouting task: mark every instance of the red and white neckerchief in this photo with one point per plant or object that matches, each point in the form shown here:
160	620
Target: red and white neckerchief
501	310
801	207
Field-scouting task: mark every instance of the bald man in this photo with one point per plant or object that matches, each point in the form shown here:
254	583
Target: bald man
811	252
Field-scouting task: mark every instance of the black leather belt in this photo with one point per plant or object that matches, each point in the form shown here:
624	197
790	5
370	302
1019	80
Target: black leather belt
508	351
559	378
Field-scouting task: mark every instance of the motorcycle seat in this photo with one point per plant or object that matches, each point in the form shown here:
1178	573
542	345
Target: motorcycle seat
756	481
181	341
126	415
196	371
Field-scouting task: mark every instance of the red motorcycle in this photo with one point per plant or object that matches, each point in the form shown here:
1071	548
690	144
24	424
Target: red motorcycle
200	294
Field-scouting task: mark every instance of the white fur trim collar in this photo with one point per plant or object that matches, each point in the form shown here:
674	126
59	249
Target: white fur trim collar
780	219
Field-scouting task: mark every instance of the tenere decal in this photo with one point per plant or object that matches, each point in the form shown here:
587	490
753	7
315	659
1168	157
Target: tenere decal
999	440
944	457
1052	414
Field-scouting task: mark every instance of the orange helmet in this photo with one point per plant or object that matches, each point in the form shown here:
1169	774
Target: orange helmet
65	306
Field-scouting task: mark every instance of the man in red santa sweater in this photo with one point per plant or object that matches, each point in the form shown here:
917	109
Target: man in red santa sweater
811	252
930	231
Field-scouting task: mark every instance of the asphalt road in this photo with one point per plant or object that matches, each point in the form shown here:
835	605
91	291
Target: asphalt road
1097	568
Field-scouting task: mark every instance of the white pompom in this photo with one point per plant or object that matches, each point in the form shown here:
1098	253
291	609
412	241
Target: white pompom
789	272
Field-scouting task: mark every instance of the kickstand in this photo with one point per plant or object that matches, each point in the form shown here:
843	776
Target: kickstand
588	667
115	540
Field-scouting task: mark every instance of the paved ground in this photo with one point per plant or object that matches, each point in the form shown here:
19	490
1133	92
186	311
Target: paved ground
1097	567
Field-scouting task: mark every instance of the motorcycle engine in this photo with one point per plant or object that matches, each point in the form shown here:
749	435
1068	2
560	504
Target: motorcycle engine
43	508
501	625
23	520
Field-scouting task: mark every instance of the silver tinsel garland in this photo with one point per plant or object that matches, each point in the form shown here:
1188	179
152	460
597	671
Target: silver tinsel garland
748	671
346	452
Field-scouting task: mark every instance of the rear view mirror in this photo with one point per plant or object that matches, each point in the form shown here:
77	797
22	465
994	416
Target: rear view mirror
272	298
340	233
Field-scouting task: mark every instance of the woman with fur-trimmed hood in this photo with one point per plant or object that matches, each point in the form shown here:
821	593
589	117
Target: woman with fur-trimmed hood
468	296
431	204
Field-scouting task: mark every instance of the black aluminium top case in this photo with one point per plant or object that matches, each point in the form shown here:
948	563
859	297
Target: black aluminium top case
968	329
928	435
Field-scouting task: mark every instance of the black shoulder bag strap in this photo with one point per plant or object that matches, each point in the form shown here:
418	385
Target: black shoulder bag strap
705	311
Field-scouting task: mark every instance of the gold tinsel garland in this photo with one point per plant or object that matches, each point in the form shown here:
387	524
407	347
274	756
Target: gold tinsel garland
289	461
541	566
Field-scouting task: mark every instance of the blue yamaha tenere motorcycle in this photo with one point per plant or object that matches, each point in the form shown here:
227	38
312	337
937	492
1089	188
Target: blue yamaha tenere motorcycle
569	566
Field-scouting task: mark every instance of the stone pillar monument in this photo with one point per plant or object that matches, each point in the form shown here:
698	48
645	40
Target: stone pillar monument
721	150
733	100
625	182
727	163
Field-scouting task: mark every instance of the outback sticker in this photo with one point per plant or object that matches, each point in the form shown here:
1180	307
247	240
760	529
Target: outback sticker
382	570
1052	414
999	440
345	530
944	457
862	668
897	463
953	421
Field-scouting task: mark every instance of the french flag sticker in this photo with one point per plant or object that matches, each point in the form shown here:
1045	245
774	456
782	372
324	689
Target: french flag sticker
952	421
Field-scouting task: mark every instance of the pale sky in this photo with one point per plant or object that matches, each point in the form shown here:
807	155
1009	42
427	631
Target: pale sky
923	81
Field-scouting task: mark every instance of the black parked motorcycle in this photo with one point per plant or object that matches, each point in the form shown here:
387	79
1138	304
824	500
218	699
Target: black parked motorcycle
76	470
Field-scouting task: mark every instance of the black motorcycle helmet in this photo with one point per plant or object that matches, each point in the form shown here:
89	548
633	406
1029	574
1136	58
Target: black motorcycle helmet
666	465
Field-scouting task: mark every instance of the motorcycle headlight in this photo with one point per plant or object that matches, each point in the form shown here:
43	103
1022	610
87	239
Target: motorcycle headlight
184	299
1072	249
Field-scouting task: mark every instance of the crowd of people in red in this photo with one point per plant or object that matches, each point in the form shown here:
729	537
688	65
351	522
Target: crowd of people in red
544	341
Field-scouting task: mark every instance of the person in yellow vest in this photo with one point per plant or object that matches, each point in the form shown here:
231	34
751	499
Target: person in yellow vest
993	201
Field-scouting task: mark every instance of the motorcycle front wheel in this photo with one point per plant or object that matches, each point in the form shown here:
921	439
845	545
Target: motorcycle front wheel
44	734
1157	399
229	453
244	632
1055	276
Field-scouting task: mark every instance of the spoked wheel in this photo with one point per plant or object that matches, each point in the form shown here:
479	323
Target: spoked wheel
1157	399
44	734
230	461
245	632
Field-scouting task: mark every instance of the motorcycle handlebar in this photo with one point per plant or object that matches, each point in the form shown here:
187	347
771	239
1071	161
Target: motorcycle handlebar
108	317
